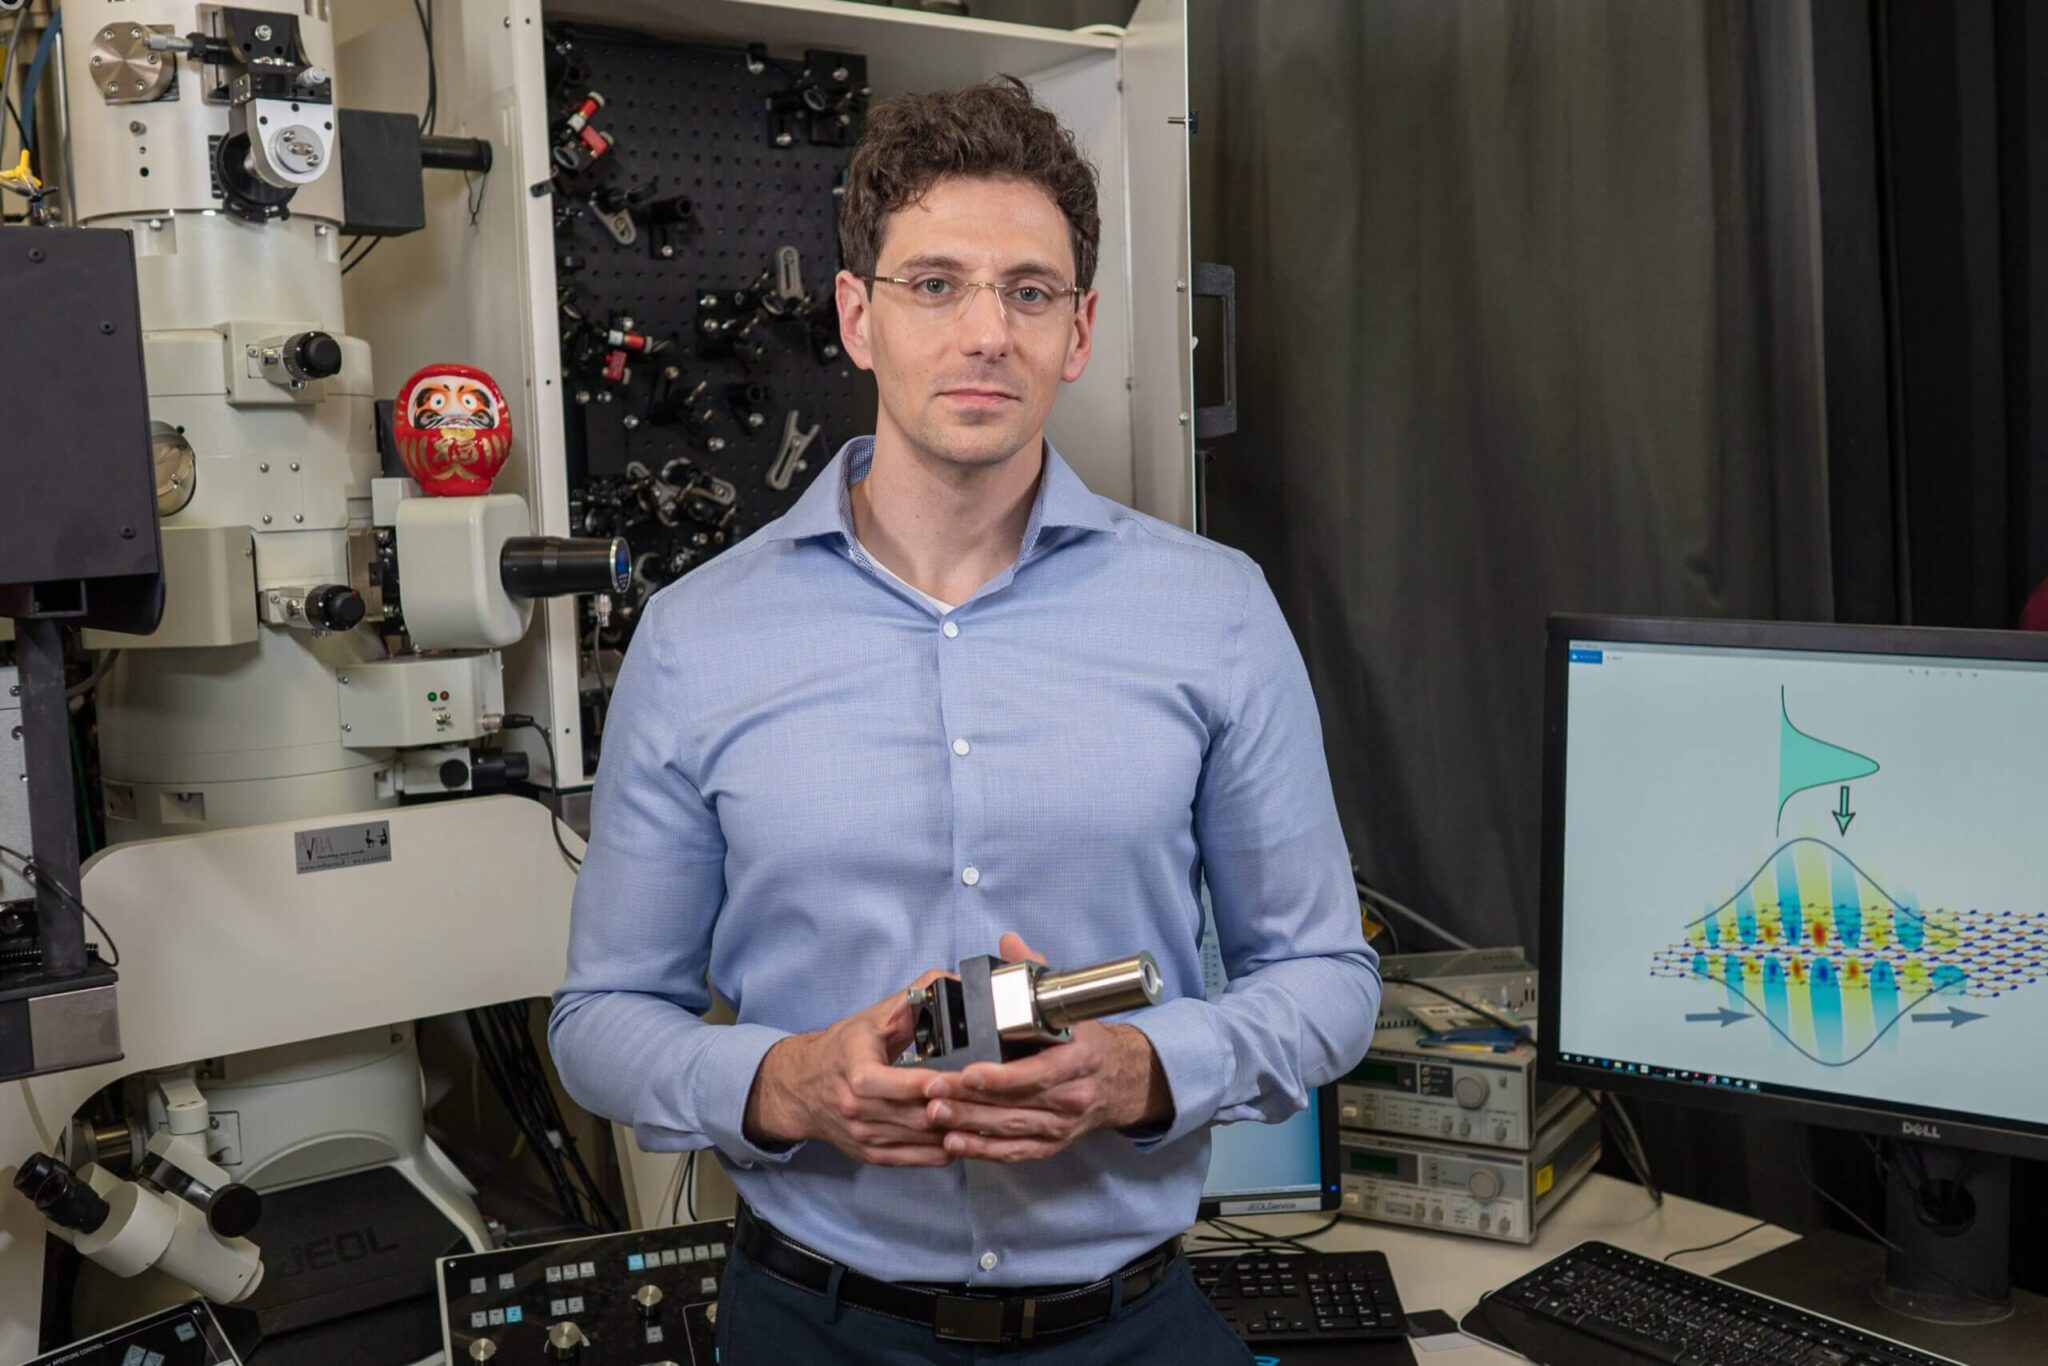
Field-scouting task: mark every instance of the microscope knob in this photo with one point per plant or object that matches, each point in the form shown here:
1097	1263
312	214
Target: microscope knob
335	606
234	1210
312	355
483	1349
565	1341
648	1298
1484	1184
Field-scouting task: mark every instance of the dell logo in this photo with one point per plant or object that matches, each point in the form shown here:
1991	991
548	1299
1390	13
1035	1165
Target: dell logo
1912	1130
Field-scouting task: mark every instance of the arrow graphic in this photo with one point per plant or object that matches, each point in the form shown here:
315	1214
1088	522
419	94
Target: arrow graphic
1954	1016
1724	1015
1843	815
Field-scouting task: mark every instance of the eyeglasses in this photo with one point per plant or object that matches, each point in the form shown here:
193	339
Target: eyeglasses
945	295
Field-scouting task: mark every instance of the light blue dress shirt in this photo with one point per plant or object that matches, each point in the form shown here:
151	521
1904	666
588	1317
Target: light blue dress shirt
815	786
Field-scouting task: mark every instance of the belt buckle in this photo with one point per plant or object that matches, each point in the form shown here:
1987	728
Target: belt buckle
958	1318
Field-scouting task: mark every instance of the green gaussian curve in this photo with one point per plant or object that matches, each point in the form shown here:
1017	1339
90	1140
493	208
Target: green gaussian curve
1804	762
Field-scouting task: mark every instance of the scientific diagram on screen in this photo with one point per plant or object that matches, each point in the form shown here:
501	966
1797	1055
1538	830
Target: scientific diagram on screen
1827	950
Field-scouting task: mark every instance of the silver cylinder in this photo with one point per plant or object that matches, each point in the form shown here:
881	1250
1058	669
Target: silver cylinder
1067	998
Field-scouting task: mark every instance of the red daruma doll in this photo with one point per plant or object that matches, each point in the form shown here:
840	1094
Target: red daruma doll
453	429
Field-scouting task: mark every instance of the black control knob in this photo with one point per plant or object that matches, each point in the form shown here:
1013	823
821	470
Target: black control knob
490	770
565	1342
63	1197
312	355
647	1299
234	1210
335	606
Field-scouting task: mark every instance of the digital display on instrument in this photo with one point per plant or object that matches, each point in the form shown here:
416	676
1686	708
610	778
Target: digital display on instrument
1368	1162
1394	1076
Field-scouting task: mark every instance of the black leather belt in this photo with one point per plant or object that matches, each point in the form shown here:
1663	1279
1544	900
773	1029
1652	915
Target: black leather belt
956	1313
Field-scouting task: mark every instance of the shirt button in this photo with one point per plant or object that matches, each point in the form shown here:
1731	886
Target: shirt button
970	875
988	1261
960	747
951	628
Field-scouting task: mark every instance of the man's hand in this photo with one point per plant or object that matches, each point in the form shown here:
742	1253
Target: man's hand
1107	1078
837	1084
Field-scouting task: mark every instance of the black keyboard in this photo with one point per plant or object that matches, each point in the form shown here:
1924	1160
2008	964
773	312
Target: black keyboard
1598	1305
1303	1297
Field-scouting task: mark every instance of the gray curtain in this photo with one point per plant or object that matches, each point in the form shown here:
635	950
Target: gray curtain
1515	281
1528	299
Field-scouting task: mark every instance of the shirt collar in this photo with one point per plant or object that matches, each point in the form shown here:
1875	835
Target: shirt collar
1062	499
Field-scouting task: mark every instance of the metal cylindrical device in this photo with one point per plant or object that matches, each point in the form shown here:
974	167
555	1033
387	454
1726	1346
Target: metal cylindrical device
1067	998
547	566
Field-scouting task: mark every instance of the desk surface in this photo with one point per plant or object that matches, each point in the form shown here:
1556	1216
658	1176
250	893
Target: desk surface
1443	1271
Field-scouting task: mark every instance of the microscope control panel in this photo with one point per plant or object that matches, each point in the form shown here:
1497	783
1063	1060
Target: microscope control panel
182	1336
639	1298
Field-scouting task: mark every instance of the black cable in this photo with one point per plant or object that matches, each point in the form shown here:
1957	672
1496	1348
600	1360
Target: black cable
363	256
425	12
1806	1172
1709	1247
536	1077
33	873
15	114
493	1064
495	1047
520	721
1254	1239
689	1175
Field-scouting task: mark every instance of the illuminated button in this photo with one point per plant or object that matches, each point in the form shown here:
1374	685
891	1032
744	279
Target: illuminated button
970	875
951	628
961	747
988	1259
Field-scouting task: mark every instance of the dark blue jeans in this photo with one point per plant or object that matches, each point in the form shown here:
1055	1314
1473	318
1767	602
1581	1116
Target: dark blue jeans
765	1321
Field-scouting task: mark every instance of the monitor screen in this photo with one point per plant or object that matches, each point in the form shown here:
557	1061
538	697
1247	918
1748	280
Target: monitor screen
1267	1168
1787	870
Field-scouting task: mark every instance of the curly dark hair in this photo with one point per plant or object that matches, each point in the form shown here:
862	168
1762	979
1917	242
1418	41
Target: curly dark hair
994	130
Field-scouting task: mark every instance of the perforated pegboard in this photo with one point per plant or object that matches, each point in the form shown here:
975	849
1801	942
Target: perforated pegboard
694	121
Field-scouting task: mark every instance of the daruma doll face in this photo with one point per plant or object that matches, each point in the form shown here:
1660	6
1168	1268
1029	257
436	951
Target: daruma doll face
453	429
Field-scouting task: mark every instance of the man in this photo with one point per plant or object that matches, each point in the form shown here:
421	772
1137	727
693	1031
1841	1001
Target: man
953	703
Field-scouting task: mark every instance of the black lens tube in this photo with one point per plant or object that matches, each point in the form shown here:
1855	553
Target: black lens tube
62	1197
550	566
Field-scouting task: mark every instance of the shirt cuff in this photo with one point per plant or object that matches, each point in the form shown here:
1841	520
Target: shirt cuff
1195	1059
718	1087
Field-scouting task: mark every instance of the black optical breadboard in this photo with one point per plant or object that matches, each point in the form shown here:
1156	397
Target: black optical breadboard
183	1336
697	123
512	1297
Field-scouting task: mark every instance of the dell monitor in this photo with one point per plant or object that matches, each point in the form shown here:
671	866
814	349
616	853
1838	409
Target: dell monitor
1802	871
